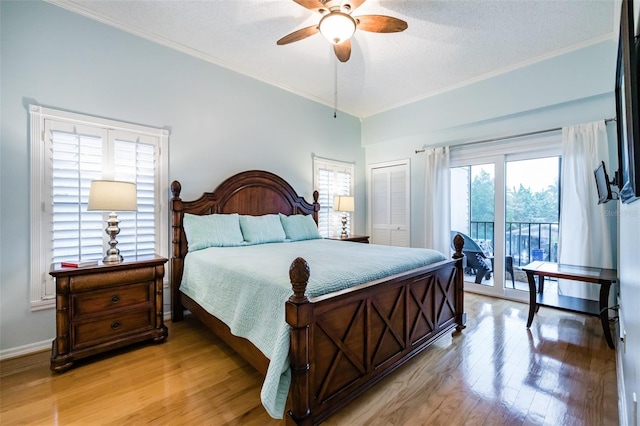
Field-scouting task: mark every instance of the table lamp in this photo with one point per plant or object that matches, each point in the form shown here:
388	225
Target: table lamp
344	204
112	196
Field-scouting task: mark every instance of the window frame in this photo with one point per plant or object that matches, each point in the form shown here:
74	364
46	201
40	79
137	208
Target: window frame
336	166
42	290
548	144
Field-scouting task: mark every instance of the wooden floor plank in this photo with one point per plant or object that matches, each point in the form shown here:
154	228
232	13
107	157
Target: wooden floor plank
496	372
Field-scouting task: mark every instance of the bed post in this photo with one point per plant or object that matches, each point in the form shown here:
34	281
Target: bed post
298	314
461	315
177	259
316	205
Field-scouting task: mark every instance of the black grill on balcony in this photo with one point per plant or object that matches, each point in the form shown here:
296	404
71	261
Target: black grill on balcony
524	241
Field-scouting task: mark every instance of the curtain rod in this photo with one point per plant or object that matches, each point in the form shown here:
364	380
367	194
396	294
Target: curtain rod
512	136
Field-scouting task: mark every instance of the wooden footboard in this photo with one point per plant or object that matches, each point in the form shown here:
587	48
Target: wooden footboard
344	343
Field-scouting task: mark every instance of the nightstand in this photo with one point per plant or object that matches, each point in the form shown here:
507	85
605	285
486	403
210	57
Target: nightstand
106	306
353	238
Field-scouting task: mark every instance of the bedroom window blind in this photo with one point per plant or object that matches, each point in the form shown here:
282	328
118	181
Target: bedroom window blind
332	178
68	152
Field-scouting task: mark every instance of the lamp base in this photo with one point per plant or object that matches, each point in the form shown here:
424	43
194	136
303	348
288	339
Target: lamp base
344	226
112	254
113	258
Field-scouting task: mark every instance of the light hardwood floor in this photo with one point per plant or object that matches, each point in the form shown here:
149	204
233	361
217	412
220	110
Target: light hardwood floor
496	372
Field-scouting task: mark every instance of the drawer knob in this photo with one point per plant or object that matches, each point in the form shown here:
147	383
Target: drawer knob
115	325
115	299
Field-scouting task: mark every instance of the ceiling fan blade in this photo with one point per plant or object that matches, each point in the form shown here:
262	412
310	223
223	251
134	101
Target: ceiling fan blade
380	24
298	35
343	50
313	5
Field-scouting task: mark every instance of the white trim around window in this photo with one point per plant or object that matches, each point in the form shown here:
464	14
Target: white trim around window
68	150
332	178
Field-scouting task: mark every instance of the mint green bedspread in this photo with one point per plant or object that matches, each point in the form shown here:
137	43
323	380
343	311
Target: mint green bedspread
246	287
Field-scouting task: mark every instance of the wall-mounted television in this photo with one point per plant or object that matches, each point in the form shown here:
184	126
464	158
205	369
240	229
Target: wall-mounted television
628	106
602	184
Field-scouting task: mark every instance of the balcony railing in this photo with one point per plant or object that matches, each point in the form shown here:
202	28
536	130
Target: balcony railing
524	241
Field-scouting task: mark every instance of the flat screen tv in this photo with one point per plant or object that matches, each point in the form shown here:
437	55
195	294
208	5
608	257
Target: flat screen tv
602	184
628	106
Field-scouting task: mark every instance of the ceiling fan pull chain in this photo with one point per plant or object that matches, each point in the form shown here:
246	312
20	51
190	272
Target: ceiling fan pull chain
335	87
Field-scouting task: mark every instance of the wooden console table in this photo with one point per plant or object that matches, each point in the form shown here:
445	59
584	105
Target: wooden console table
603	277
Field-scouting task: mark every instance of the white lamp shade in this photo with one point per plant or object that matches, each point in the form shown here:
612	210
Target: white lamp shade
112	196
337	27
344	203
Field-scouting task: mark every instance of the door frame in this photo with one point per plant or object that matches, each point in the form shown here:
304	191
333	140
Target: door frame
499	153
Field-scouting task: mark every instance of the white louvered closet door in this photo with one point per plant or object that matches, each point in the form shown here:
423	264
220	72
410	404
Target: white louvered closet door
390	204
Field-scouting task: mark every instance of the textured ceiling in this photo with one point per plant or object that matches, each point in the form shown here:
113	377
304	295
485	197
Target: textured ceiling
447	44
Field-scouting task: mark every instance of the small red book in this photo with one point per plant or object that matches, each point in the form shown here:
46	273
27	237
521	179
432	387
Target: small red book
73	264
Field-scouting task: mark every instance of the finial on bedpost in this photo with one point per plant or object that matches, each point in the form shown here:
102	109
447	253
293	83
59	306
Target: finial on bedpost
461	315
299	314
178	251
299	276
458	243
175	189
316	205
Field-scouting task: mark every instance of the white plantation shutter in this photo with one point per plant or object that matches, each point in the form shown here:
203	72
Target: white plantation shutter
76	160
134	161
68	152
332	178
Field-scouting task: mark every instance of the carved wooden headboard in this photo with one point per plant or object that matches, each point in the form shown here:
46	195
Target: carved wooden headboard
254	192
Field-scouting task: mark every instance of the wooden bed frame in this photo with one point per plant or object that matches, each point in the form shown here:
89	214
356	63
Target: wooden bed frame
341	343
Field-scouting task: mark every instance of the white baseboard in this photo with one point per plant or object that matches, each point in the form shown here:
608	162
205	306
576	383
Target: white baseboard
622	398
25	350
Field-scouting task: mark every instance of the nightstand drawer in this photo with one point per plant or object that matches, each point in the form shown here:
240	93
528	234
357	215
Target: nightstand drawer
106	277
99	301
110	327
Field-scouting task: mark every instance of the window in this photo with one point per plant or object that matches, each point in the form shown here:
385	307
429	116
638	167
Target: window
68	152
332	178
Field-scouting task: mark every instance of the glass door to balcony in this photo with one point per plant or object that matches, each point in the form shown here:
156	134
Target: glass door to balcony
507	208
532	213
473	201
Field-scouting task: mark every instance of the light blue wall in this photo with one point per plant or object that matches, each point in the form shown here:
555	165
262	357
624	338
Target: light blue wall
481	109
569	89
221	123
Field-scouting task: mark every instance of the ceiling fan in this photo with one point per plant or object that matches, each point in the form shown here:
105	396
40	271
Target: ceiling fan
337	25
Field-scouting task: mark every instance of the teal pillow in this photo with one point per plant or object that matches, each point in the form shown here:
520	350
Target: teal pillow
262	229
214	230
298	227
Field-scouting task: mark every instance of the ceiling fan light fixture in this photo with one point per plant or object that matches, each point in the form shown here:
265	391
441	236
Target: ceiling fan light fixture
337	27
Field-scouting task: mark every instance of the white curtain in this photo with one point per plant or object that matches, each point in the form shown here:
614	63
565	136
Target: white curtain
585	235
437	199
